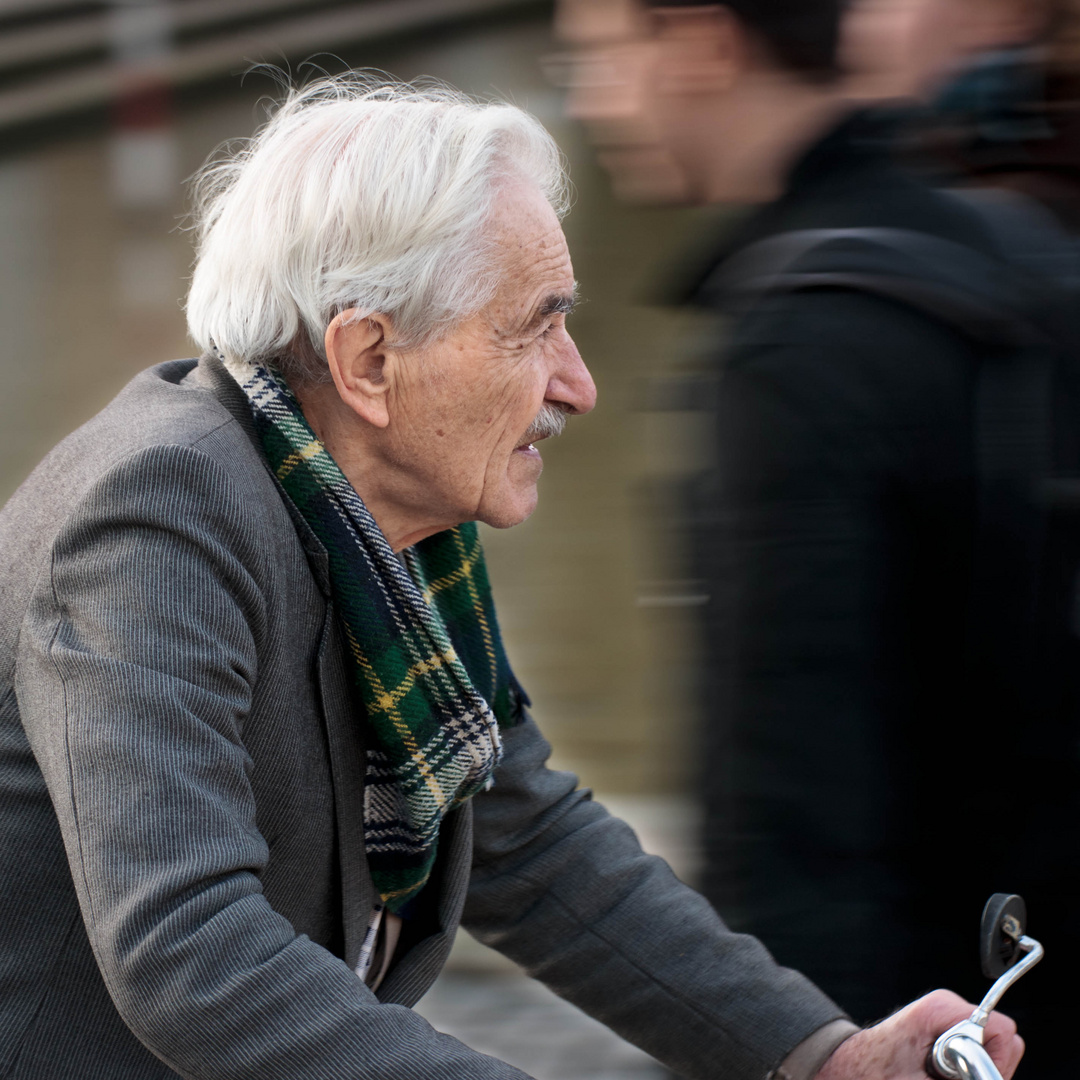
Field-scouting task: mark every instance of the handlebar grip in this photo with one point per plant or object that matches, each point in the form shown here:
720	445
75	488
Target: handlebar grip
967	1058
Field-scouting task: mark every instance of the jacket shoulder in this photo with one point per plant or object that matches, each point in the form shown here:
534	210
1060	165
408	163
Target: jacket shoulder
170	426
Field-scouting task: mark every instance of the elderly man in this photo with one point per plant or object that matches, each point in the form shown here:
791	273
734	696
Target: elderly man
261	751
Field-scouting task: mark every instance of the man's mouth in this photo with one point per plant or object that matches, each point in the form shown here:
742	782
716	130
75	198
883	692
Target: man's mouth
550	421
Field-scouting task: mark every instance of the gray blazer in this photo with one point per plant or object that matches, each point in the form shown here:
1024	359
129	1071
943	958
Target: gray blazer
183	886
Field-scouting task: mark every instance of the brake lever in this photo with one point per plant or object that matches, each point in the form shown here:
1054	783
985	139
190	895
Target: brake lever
1008	953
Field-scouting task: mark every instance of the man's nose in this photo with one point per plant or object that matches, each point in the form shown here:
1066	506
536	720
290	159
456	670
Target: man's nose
571	385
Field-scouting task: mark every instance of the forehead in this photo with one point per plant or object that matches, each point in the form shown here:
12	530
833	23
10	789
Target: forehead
533	249
593	22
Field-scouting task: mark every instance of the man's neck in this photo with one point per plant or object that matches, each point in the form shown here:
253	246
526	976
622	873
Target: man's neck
358	449
759	138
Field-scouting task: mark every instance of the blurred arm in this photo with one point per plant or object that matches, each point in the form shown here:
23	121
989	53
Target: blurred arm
841	431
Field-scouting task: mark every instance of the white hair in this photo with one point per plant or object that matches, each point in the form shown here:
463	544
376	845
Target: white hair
357	193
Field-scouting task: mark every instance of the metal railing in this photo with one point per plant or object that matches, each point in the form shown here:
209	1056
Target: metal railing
61	56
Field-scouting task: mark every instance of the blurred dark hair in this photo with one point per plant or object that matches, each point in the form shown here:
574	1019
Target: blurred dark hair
802	35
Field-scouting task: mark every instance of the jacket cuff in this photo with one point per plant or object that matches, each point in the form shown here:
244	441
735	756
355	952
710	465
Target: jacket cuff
807	1058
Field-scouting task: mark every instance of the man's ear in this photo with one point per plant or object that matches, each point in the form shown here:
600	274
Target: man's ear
704	49
361	365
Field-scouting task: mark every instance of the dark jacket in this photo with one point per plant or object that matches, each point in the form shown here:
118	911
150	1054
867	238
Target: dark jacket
868	781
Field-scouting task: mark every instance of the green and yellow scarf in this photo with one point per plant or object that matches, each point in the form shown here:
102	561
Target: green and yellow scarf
423	645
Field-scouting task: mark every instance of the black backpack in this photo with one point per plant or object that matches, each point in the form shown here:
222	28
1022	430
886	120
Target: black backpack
1022	310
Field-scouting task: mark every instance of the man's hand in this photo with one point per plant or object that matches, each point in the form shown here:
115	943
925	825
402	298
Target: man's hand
897	1048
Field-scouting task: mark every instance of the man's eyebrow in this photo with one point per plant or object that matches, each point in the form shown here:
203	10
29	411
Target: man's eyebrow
553	304
558	304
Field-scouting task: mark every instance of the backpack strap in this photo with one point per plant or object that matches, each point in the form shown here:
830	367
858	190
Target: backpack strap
984	298
1025	234
1008	313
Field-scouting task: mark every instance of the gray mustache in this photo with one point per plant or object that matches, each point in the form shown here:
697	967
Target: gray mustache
549	422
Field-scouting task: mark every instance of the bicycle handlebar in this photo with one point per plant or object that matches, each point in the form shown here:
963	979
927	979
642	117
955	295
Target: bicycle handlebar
969	1059
959	1053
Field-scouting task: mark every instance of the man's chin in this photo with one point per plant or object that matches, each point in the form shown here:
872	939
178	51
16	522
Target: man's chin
507	514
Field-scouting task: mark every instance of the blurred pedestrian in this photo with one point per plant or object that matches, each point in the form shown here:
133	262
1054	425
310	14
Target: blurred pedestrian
872	771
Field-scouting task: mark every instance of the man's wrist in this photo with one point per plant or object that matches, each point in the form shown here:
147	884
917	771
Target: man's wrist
804	1062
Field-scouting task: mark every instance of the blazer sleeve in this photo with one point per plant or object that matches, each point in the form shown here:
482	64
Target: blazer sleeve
564	889
135	671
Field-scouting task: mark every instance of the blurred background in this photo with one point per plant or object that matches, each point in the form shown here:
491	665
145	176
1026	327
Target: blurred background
106	108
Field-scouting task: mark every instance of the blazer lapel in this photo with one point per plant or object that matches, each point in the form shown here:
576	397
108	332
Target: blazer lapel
344	736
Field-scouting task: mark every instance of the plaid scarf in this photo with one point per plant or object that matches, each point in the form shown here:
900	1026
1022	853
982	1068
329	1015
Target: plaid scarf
423	645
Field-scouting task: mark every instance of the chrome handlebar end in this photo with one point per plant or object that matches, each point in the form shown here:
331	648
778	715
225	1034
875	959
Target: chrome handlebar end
965	1058
959	1053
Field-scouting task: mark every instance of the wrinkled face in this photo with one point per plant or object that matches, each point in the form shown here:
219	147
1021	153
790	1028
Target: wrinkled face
471	408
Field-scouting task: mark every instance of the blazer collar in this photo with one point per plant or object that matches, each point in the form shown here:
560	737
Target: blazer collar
212	375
